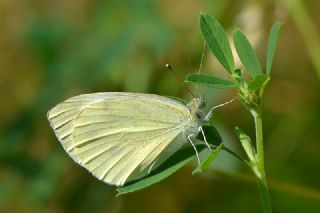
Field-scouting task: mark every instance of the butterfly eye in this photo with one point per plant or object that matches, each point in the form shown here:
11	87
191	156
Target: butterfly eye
202	105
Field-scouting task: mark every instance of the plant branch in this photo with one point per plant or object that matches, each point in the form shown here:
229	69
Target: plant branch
261	175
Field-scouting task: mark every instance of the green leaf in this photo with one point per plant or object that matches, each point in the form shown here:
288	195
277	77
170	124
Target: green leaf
246	53
246	143
257	82
273	38
212	135
217	41
210	81
170	166
207	162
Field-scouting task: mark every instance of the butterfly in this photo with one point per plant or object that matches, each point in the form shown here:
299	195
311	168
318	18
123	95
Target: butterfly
120	137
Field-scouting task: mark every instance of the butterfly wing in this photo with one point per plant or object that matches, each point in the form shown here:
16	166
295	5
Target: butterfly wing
117	136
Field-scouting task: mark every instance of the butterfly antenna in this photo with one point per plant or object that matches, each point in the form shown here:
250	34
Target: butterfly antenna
169	67
201	62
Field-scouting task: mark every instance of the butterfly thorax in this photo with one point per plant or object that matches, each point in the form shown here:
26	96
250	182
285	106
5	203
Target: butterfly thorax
195	107
196	118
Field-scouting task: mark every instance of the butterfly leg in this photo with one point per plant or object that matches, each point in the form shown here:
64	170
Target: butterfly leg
194	147
204	137
208	116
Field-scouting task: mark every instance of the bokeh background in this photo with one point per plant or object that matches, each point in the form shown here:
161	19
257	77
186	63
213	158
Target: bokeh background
52	50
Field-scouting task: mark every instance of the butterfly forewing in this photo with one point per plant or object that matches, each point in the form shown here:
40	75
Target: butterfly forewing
117	135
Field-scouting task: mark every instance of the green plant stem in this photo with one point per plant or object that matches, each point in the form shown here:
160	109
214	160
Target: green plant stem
261	175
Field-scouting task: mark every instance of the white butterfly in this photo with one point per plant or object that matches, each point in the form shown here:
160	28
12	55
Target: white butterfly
120	137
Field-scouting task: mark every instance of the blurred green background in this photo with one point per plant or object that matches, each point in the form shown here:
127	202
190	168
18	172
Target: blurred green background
52	50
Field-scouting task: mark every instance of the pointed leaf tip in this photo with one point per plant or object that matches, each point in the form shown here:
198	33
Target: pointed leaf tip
207	162
272	43
246	53
216	39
